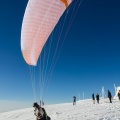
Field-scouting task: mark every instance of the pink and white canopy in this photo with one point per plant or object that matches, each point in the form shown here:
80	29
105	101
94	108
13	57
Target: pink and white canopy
39	20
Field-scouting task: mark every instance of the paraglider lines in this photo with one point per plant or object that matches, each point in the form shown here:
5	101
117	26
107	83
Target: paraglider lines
54	63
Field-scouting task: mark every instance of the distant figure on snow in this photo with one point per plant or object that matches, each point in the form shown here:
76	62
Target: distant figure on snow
119	94
109	96
93	98
97	98
74	100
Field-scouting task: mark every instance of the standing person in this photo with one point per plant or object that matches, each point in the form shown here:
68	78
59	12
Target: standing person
97	98
119	94
109	96
74	100
93	98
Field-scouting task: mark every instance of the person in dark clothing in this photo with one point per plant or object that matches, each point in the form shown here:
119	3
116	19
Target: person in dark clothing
109	96
40	112
119	94
74	100
93	98
97	98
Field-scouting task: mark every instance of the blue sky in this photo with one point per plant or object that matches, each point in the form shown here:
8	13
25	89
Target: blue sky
89	59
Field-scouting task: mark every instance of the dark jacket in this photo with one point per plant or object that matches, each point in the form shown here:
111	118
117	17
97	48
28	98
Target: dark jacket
97	97
93	97
74	98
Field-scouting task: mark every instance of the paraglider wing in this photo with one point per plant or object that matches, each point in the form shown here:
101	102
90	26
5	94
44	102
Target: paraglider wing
39	20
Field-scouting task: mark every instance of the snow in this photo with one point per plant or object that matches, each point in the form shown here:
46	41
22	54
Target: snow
83	110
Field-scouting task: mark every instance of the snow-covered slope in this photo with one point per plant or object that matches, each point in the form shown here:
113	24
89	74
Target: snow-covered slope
84	110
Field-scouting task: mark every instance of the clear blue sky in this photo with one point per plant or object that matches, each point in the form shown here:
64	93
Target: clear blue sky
90	57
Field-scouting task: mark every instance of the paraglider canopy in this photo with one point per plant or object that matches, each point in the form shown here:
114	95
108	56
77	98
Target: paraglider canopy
40	18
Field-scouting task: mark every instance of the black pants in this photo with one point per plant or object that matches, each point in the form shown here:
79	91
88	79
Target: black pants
74	102
110	99
97	101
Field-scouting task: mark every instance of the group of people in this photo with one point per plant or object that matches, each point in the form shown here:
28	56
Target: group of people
41	114
109	96
97	98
